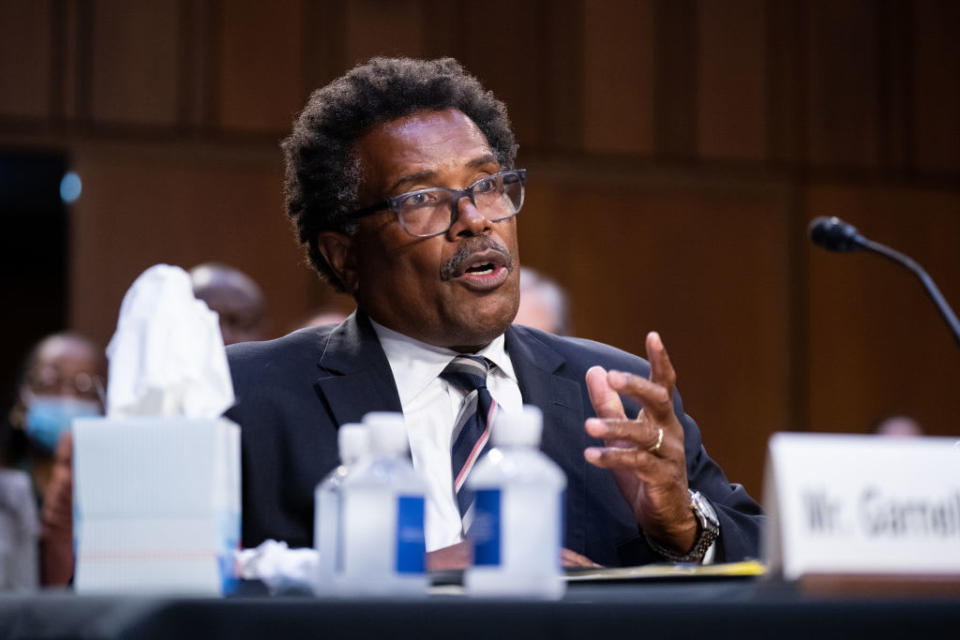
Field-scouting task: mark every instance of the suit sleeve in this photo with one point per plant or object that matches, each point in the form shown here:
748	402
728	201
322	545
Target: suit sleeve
741	518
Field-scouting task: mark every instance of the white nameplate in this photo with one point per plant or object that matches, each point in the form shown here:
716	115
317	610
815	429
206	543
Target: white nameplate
862	504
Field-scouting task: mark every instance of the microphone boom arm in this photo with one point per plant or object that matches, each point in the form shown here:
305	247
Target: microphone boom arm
928	283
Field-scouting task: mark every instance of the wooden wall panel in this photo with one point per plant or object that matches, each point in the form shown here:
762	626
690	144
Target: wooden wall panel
671	255
199	68
785	81
516	73
134	62
732	80
937	90
676	59
618	79
324	43
377	28
25	58
562	110
843	83
71	61
877	344
181	206
261	65
894	101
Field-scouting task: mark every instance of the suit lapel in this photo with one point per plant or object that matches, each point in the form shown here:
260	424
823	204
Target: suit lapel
356	378
538	368
355	374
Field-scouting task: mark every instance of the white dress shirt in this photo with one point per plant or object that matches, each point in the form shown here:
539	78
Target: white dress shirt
430	407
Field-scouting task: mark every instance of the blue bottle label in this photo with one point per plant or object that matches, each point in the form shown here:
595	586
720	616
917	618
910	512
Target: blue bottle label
485	529
340	544
411	545
230	539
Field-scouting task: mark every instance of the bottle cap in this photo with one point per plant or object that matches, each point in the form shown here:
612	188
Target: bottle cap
354	442
518	429
388	434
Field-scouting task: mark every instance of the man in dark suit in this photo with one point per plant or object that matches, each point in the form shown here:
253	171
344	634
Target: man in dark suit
401	183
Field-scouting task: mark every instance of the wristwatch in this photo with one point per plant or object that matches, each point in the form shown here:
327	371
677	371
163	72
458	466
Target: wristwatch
708	529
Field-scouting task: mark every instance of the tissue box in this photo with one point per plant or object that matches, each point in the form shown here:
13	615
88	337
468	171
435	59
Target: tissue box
156	504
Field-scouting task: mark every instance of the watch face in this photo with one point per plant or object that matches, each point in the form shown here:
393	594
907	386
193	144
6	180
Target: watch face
704	510
709	531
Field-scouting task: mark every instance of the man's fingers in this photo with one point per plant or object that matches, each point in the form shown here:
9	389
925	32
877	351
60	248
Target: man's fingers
573	559
457	556
605	400
654	397
631	432
661	369
639	461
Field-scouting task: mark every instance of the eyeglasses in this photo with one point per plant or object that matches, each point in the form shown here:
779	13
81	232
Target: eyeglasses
430	212
48	381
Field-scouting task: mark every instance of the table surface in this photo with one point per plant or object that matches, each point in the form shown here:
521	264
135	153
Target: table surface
661	609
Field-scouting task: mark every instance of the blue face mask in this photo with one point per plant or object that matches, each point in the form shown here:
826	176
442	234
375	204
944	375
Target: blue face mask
48	417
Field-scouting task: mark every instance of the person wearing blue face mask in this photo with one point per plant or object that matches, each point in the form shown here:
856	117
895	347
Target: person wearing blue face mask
49	417
62	380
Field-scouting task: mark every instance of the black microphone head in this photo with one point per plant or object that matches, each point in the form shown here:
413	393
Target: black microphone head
834	234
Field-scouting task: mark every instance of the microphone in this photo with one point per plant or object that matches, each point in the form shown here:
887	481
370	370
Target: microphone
834	234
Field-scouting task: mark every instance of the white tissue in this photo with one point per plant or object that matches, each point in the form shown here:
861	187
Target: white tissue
279	567
167	356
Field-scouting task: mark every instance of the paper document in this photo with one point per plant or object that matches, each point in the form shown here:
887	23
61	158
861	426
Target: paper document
750	568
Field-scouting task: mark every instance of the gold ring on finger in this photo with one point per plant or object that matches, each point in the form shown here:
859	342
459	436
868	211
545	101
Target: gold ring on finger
656	448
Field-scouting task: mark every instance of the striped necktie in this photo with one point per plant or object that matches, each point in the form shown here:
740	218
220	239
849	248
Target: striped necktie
471	430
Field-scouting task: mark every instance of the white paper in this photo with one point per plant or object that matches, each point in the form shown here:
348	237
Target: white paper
279	567
862	504
167	356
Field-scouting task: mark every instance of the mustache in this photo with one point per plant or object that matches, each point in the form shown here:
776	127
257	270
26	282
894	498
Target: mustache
468	249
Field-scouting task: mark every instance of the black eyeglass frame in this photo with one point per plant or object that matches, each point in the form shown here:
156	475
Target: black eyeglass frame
458	195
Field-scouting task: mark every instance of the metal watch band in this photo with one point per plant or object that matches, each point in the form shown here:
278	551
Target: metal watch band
708	529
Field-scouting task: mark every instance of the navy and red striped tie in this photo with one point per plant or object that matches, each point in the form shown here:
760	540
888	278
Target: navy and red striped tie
471	431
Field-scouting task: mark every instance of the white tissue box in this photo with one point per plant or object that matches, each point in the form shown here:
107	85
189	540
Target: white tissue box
156	504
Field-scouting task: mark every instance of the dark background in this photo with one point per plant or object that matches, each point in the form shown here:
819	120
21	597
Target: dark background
676	150
34	253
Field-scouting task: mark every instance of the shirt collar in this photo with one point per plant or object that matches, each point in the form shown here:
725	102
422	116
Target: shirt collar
416	364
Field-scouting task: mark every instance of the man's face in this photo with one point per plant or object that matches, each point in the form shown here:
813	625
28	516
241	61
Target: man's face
67	368
241	313
459	289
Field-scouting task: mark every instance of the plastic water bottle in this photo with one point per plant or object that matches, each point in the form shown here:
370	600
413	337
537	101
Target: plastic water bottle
353	441
518	514
384	549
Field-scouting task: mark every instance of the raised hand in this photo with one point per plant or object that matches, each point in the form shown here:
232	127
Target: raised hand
645	452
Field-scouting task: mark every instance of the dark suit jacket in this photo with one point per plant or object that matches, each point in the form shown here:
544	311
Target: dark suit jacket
293	393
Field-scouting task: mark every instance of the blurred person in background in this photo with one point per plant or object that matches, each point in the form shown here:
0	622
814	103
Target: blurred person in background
63	379
236	298
898	426
543	304
19	529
